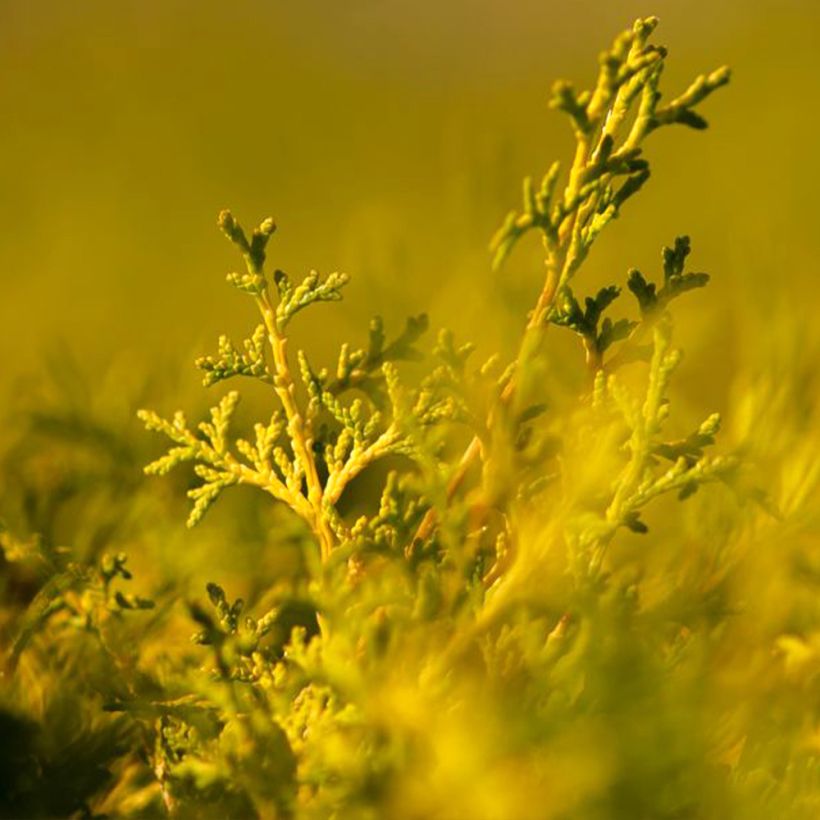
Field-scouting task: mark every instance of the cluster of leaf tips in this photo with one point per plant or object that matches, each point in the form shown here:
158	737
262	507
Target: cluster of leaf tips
317	440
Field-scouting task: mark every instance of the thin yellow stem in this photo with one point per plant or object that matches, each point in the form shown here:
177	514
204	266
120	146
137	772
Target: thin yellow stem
298	428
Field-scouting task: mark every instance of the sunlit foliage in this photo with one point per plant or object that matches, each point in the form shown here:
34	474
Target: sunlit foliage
472	588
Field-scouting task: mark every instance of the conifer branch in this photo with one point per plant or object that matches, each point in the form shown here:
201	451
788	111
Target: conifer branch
291	459
607	170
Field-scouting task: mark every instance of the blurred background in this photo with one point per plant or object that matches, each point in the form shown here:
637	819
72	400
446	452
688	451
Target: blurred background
388	139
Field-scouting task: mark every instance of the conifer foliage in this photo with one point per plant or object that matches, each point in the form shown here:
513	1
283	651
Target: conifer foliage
520	625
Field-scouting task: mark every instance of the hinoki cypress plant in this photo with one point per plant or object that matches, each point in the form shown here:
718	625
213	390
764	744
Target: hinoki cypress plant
519	624
453	558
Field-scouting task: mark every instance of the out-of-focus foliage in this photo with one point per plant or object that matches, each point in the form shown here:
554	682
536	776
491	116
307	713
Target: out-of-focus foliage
486	589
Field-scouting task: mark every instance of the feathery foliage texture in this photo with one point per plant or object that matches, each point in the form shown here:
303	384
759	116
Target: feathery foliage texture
531	617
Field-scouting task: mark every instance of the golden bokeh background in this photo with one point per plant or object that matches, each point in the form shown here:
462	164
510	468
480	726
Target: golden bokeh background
388	139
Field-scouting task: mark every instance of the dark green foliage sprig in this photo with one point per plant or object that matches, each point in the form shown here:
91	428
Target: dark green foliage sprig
599	335
360	367
585	321
675	282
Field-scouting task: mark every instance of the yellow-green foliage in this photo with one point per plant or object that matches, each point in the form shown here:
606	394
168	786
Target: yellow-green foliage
475	589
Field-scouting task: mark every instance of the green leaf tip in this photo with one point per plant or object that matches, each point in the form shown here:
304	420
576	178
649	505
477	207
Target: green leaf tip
676	281
253	250
231	228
